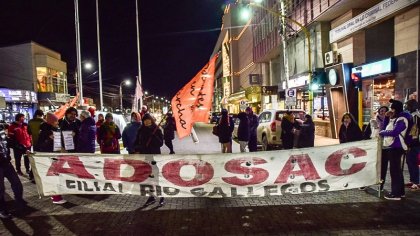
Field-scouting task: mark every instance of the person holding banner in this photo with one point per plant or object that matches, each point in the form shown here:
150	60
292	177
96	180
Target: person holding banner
349	130
70	123
149	137
225	130
49	140
397	122
108	136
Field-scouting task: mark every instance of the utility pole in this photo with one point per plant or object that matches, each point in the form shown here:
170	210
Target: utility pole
101	101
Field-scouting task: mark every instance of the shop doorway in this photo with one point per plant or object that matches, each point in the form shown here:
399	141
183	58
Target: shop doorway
376	93
339	107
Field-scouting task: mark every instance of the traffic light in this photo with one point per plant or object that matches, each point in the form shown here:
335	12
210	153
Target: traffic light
357	79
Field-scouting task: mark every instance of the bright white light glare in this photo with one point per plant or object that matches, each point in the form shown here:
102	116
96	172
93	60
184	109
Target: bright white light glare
258	1
127	82
88	65
314	87
245	14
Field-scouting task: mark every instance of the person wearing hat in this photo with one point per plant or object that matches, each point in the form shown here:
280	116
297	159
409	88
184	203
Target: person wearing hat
412	106
46	143
130	132
225	130
34	126
108	136
397	123
87	134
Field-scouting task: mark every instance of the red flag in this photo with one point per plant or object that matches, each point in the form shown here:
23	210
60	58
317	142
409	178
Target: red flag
193	102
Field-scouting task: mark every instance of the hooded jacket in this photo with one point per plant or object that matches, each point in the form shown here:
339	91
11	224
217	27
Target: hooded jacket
129	135
243	128
86	138
399	126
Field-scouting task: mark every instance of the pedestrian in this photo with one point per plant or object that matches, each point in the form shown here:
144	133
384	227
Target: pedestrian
129	133
377	124
412	106
169	132
253	125
243	131
7	171
108	136
149	140
225	130
70	123
397	122
100	121
287	130
46	143
34	127
21	142
87	134
307	133
349	130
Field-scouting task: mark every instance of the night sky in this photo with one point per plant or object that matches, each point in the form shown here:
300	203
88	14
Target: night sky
177	38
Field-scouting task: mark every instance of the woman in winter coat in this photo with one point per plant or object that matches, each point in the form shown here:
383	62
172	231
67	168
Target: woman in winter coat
169	132
349	130
149	137
307	133
287	130
108	136
397	124
225	129
243	131
130	132
46	143
87	134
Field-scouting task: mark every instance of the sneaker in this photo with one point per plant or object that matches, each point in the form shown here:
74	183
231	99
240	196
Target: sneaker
414	187
392	197
162	202
150	201
5	215
62	201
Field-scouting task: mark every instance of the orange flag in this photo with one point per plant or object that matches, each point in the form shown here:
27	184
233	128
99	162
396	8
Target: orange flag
193	102
62	110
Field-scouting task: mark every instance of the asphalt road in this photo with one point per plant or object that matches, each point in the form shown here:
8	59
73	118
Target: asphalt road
350	212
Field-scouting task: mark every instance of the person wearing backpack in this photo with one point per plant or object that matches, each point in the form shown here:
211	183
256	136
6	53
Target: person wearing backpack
412	106
397	124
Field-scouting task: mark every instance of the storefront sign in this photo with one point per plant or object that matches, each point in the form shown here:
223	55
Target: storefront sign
298	81
375	68
321	169
62	97
373	14
269	90
12	95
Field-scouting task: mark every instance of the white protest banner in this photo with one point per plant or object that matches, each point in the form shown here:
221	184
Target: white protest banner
319	169
57	141
68	140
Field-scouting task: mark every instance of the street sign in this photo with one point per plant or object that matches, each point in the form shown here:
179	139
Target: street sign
291	101
291	93
243	104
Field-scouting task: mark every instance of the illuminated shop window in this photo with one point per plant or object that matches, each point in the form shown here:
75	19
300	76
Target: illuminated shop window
50	80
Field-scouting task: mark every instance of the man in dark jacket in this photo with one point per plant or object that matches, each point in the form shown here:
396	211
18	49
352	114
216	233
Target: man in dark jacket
129	133
7	171
169	132
243	131
70	123
287	130
253	125
87	134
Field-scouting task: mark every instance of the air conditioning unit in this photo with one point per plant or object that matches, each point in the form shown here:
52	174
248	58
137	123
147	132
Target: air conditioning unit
330	57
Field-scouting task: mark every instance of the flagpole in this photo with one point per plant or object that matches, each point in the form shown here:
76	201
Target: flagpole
138	50
78	54
101	101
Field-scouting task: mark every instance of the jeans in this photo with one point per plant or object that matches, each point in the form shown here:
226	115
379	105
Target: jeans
7	171
18	157
413	168
393	156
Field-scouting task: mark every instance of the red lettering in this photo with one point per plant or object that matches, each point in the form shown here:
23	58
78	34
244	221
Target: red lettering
333	163
257	175
112	170
76	167
172	172
307	169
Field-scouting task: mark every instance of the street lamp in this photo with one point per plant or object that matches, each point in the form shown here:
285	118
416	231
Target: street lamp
126	82
87	65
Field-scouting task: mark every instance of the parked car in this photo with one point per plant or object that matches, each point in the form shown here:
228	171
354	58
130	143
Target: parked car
269	129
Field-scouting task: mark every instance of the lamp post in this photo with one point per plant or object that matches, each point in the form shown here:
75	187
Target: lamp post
307	35
126	82
78	79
